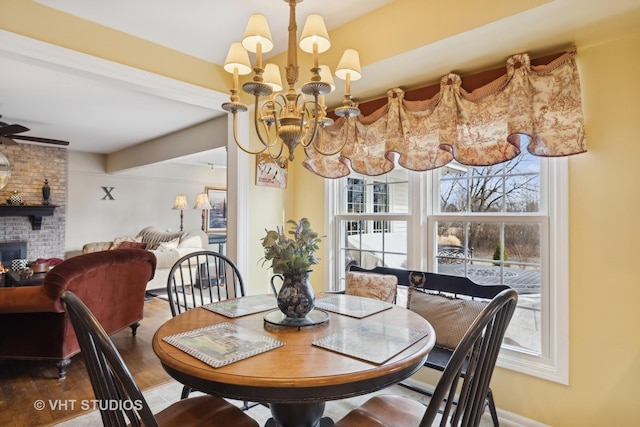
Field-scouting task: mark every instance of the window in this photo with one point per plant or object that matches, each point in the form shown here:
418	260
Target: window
488	224
355	203
371	227
366	196
497	224
381	204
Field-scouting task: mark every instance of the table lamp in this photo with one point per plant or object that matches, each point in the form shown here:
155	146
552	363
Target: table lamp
181	204
202	202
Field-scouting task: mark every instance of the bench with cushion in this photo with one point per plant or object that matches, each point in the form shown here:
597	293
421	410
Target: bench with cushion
450	304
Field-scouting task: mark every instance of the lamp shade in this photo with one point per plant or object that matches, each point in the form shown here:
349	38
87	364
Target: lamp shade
272	77
257	31
237	58
314	31
180	202
325	76
349	64
202	202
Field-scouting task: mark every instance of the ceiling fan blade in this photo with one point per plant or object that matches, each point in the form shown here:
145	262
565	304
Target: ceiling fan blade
7	141
37	139
12	129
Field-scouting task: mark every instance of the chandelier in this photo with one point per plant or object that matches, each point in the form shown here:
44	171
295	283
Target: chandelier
293	118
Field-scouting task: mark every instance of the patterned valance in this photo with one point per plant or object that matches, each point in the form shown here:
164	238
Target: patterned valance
539	105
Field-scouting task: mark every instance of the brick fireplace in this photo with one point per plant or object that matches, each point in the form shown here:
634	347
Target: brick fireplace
30	165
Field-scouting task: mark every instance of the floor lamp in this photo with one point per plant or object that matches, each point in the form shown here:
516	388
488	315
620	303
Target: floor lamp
181	204
202	202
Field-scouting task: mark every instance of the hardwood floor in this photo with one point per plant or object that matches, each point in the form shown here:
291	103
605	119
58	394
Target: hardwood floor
24	382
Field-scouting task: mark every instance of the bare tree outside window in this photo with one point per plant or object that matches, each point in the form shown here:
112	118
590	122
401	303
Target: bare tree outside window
507	188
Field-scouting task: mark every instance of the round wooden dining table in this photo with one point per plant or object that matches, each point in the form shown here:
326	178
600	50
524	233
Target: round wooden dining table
297	378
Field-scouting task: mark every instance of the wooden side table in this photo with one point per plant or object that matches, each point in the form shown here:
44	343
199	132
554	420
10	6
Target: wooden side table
13	279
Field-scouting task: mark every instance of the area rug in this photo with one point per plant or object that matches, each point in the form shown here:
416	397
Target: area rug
161	397
162	294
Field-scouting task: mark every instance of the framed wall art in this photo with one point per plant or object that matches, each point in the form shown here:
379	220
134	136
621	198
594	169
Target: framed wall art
271	172
216	221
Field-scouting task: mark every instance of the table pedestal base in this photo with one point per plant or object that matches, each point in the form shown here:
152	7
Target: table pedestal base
298	415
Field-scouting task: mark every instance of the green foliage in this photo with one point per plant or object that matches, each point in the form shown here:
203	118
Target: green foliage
291	255
496	253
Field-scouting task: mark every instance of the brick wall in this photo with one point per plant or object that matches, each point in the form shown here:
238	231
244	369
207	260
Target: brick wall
30	165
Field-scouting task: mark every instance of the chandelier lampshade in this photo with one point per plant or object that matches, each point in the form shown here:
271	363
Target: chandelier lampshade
257	36
314	32
348	70
237	60
349	66
272	77
325	76
294	117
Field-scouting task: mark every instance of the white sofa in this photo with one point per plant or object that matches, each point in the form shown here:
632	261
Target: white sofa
168	247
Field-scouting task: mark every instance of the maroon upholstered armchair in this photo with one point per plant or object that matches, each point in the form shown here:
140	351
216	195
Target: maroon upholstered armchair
111	283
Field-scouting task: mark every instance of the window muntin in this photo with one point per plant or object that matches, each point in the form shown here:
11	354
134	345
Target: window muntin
499	252
368	250
513	186
489	228
381	204
530	204
369	232
356	203
382	194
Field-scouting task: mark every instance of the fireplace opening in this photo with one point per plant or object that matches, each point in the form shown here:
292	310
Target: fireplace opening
12	250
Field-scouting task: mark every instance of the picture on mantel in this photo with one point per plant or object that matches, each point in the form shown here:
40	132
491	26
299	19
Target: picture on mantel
271	172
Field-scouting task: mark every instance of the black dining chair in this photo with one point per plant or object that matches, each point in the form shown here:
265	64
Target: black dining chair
201	278
450	304
113	383
469	370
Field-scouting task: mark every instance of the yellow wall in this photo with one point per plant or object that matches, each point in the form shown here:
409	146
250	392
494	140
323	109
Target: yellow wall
308	201
604	284
604	281
604	292
271	207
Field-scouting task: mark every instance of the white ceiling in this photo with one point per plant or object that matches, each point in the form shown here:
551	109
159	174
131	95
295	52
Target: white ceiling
103	107
185	25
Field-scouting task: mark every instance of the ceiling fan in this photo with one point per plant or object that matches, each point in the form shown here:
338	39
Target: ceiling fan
10	132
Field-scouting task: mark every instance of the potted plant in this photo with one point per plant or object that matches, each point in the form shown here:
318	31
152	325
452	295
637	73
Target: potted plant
290	255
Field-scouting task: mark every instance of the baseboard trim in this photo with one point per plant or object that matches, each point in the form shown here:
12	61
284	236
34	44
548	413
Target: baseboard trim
507	419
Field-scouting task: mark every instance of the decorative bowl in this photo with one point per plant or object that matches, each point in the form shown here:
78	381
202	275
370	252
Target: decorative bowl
39	267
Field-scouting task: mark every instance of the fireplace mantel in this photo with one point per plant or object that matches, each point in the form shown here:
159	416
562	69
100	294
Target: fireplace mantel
34	212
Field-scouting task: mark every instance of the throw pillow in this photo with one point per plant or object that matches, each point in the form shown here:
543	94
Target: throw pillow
171	244
371	285
450	317
132	245
190	242
52	261
153	236
119	240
